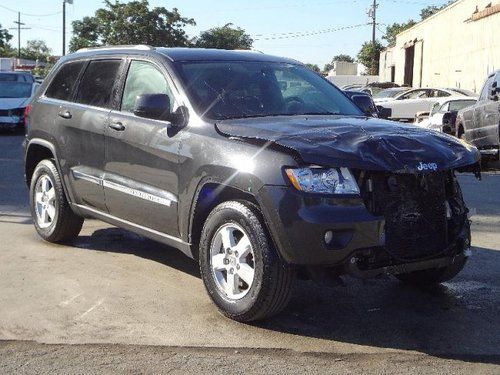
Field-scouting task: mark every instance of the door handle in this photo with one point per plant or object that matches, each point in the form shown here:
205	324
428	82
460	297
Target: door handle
65	114
118	126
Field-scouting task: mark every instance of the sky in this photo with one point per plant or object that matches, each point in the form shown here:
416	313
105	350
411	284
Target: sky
314	24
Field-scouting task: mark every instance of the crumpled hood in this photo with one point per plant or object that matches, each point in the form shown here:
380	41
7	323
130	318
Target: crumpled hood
360	143
12	103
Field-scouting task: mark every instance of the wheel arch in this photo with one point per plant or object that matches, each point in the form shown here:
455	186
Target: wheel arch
36	151
208	196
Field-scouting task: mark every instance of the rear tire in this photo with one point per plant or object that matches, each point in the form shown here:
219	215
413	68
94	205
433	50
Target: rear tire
52	215
231	227
433	276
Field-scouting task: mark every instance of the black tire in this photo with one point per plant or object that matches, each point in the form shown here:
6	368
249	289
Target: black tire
65	225
434	276
273	279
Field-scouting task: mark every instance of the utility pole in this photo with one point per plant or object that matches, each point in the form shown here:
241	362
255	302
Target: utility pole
64	25
372	13
19	28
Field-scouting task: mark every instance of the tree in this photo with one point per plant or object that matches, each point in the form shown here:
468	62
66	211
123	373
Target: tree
5	48
225	37
432	9
394	29
314	68
340	57
36	50
131	23
343	57
365	56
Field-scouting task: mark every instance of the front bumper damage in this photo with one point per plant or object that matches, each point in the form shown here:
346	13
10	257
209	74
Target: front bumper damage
363	242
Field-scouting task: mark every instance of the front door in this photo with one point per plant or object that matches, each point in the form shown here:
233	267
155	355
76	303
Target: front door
140	180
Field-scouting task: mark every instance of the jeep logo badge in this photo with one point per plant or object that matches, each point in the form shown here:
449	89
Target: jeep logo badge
427	166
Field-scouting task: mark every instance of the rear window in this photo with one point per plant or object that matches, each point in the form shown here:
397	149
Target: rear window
96	86
64	82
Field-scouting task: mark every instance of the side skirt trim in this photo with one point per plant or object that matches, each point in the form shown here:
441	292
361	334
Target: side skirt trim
176	242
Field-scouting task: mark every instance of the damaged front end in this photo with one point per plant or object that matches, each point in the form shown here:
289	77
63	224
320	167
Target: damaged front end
425	222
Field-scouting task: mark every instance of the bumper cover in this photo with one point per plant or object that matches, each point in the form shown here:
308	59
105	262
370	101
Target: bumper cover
298	223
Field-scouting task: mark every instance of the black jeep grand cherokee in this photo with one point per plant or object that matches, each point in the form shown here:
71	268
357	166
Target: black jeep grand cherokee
253	165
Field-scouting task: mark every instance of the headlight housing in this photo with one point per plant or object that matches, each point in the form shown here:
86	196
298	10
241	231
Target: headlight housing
323	180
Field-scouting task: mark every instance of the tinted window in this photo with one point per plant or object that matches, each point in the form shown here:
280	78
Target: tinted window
222	90
64	82
98	82
415	94
459	104
15	89
486	87
143	78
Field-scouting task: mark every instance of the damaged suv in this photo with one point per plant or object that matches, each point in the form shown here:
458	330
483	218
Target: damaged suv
253	165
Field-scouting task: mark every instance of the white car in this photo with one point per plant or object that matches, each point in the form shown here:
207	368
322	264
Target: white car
443	105
405	105
14	97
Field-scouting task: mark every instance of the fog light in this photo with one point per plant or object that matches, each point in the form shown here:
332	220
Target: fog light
328	237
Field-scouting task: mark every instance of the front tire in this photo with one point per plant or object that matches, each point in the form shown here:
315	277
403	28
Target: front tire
240	268
53	218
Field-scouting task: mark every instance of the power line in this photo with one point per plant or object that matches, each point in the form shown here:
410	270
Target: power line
299	34
29	14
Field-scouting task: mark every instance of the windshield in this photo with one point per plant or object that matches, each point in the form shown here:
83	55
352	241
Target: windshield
464	92
388	93
223	90
15	89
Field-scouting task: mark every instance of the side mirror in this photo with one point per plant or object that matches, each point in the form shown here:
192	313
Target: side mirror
365	103
384	112
153	106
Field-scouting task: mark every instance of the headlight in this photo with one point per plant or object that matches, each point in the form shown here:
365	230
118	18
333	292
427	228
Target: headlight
323	180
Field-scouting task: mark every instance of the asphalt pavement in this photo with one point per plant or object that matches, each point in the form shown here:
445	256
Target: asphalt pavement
113	301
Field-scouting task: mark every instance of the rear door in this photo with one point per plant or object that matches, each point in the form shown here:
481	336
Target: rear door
84	121
142	161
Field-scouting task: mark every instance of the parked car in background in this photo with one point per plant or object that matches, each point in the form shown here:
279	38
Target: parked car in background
374	88
14	97
16	77
443	111
479	124
406	105
389	94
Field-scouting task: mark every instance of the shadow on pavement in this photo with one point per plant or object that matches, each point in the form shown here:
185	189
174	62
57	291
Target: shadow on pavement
450	320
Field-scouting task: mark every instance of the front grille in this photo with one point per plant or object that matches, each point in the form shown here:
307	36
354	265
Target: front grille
4	112
414	208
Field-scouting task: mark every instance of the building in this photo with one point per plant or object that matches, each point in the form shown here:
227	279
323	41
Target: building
346	73
456	47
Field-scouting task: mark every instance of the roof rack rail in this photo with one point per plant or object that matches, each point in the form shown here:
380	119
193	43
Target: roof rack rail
142	47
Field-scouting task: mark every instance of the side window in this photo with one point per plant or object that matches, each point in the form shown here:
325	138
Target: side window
440	94
96	86
143	78
64	82
486	88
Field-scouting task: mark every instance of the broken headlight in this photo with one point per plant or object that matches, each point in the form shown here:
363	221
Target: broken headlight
323	180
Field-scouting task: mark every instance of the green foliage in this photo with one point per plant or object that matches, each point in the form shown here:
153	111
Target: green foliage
5	48
36	50
392	30
366	56
131	23
340	57
314	68
432	9
43	71
225	37
343	57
